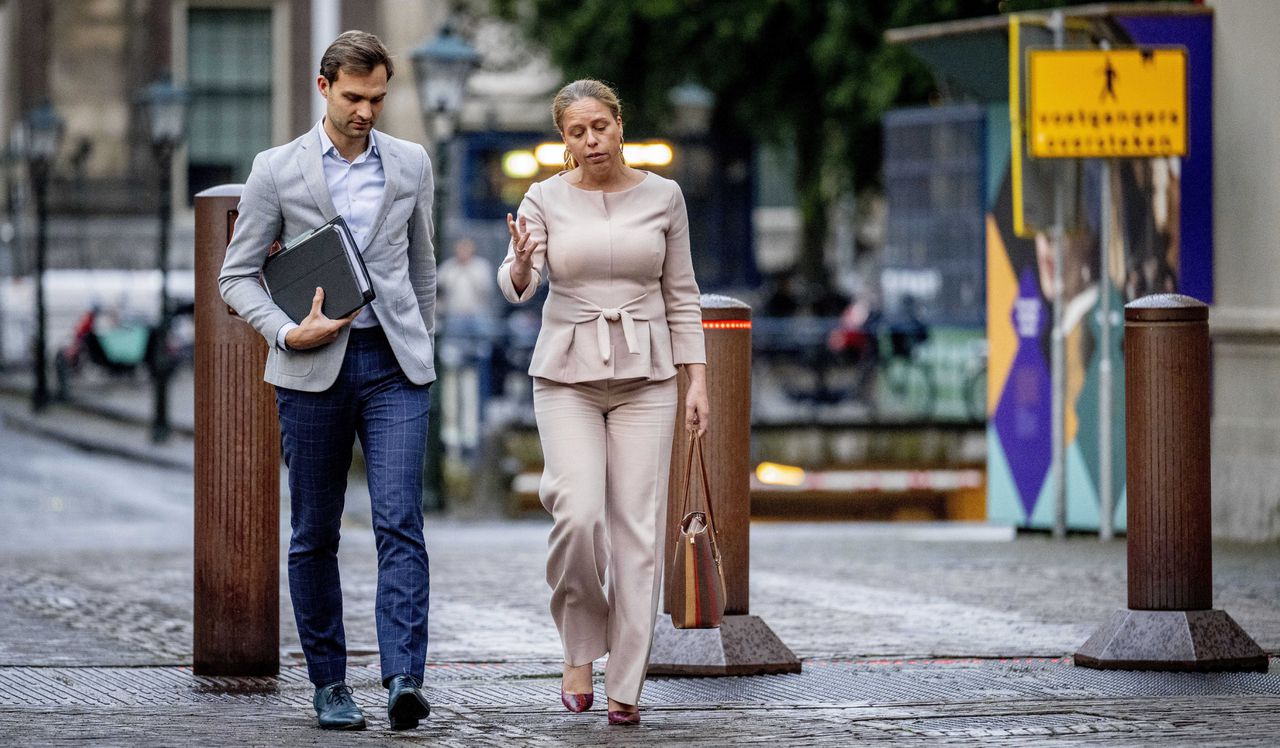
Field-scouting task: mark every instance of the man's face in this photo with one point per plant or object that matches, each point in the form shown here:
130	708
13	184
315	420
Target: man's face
354	101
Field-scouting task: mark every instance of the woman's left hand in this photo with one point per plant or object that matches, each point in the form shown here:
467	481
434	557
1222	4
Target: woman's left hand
697	409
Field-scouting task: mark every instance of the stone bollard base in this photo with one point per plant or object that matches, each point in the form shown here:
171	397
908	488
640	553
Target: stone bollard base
743	645
1192	640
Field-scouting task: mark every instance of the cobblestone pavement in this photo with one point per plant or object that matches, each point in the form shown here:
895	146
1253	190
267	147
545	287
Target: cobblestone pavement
908	634
832	703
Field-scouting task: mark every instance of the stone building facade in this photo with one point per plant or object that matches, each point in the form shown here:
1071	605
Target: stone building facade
250	69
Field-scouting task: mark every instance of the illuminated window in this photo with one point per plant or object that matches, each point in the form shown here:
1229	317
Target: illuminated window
498	168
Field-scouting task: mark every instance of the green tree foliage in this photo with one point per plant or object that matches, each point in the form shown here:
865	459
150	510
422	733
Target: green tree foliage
816	74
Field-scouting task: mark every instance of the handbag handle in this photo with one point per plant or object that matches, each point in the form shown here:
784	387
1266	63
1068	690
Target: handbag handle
695	443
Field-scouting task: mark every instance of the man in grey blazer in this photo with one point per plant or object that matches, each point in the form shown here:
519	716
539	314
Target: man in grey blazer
366	375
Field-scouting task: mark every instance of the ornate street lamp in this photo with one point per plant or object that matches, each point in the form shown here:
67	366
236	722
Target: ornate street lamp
165	108
38	143
441	67
692	104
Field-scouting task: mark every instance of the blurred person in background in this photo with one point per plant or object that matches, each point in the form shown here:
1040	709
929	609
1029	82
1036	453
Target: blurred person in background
907	330
464	286
622	313
464	283
780	300
854	341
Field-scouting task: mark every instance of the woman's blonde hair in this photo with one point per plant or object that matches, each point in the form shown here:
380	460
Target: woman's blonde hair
582	89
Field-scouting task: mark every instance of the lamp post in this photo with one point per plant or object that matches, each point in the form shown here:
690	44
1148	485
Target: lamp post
9	224
703	177
165	107
441	67
41	136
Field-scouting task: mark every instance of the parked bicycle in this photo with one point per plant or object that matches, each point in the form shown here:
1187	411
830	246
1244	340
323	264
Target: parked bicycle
117	349
975	387
891	375
122	347
858	359
906	386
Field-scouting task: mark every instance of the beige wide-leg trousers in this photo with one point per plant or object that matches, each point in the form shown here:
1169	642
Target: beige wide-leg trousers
607	450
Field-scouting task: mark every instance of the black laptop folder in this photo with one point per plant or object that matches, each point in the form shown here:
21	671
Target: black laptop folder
326	257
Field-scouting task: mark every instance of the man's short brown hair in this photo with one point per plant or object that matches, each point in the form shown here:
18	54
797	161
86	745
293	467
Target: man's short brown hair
357	52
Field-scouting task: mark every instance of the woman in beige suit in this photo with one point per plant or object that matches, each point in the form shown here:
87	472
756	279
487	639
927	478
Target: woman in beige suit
621	315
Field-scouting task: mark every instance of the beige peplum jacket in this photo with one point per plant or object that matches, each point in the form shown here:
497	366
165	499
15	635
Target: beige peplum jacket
622	302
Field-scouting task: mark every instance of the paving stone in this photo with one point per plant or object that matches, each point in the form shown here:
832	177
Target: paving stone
905	636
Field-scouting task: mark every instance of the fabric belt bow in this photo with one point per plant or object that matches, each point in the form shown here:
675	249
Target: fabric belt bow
614	314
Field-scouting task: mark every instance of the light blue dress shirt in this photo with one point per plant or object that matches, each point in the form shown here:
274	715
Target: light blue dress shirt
356	188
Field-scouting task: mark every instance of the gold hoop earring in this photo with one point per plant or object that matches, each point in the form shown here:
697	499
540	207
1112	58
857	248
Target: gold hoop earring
569	162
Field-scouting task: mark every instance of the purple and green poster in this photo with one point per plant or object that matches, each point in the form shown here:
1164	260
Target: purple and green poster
1160	214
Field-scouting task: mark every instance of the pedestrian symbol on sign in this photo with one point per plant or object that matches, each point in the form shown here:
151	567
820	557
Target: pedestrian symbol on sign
1110	75
1076	109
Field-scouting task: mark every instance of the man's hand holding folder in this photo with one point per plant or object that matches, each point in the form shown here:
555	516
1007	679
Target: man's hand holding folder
325	257
315	329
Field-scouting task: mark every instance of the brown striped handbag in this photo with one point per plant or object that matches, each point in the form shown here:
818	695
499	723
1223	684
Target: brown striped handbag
699	599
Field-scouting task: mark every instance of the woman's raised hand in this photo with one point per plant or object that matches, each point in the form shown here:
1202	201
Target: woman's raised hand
521	242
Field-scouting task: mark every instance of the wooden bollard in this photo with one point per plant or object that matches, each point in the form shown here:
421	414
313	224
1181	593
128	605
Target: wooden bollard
744	644
1170	623
237	470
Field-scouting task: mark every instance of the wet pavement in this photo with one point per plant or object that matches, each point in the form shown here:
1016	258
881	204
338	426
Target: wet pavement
946	633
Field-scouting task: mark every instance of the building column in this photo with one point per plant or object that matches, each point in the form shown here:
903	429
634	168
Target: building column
326	16
1245	320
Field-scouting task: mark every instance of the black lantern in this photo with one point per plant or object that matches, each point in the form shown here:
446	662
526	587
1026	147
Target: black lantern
441	67
692	105
42	134
165	106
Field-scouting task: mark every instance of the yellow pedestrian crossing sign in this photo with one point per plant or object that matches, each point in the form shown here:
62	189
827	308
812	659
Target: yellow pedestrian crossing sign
1107	103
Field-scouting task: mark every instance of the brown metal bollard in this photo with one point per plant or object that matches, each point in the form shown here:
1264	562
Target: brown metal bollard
1170	623
237	470
744	644
1170	555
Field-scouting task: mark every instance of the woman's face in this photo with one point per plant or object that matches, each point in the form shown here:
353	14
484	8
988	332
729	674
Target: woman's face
592	134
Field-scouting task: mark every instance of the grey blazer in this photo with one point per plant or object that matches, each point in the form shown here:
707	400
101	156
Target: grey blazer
286	195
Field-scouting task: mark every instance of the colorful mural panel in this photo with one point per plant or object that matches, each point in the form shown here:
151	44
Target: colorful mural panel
1160	219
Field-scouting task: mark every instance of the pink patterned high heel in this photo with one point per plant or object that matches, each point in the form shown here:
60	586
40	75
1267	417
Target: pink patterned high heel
576	702
624	718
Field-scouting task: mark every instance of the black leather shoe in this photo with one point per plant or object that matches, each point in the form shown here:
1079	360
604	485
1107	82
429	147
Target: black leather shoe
405	703
336	709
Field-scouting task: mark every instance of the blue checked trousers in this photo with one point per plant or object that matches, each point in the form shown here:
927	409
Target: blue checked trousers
374	400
